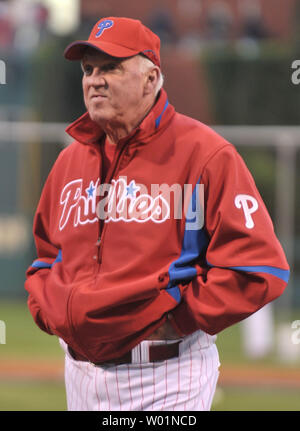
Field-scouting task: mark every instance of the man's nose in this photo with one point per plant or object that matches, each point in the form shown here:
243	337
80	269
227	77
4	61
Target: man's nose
97	78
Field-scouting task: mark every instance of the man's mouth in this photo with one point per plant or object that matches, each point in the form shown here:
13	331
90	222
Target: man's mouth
98	96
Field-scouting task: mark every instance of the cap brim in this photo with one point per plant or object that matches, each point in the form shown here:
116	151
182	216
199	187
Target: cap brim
75	50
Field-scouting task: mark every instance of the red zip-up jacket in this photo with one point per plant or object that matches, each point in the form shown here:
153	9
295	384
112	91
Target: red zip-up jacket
113	264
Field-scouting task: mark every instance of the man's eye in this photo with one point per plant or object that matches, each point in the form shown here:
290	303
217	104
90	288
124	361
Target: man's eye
87	69
109	66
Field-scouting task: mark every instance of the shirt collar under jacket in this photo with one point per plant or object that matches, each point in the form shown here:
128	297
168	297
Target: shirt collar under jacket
86	131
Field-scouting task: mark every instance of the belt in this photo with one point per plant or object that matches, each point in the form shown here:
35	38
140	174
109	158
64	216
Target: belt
158	352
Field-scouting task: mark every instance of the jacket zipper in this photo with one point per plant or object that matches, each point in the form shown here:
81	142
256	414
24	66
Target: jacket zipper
102	225
111	173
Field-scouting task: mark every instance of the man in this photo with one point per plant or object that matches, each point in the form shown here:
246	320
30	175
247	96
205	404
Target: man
128	276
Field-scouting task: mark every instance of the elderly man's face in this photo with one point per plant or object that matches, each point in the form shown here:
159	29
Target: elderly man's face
113	88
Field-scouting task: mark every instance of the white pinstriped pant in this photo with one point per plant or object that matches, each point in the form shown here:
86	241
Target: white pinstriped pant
186	383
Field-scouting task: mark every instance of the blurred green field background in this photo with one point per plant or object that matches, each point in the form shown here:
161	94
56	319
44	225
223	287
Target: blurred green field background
25	343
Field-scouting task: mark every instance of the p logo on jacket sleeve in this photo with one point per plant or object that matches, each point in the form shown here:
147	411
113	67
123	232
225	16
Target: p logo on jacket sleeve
249	205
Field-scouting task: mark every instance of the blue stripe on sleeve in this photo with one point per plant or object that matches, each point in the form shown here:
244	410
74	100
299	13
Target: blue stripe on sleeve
58	258
174	292
195	242
283	274
40	264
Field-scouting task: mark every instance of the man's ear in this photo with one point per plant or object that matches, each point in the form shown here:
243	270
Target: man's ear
151	80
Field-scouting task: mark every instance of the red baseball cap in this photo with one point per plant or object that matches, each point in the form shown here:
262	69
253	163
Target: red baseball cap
118	37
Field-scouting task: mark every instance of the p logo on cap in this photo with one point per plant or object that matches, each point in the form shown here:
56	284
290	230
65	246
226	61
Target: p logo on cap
104	25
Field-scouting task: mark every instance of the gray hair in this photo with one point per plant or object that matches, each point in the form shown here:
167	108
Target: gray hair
146	65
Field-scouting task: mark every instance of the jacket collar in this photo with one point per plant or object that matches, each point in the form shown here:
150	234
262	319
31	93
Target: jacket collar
86	131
